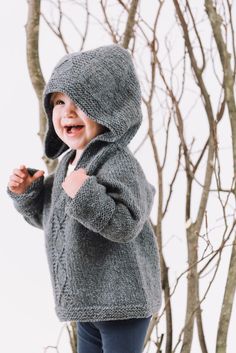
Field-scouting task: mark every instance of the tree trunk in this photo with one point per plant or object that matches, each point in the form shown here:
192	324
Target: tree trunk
130	23
36	76
226	309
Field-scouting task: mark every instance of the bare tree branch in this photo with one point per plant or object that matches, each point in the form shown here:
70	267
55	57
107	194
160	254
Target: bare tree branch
232	34
130	23
158	229
32	33
194	228
72	332
56	32
36	76
228	85
112	32
225	57
198	37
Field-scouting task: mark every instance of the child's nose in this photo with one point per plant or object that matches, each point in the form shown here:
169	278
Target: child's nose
70	110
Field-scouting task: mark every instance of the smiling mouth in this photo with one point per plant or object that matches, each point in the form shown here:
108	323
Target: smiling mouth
73	128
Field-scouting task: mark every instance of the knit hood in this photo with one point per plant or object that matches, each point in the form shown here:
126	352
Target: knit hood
103	83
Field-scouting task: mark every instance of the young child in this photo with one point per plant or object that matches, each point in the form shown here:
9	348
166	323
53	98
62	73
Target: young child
94	210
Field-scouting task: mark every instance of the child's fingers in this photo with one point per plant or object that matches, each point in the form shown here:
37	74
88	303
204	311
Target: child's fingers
23	168
38	174
16	179
19	173
13	184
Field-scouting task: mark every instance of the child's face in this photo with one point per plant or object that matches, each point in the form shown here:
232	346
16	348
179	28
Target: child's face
73	127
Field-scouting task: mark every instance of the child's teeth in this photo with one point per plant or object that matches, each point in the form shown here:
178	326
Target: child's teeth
74	127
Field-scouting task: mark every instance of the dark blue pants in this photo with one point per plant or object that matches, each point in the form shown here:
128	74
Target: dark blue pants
116	336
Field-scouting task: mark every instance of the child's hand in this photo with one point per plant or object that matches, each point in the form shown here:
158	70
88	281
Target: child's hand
74	181
20	180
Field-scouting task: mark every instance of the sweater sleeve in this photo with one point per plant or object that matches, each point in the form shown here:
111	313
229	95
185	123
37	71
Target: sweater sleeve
32	202
115	204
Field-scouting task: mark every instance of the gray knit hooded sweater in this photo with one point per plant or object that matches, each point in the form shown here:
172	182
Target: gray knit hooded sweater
101	248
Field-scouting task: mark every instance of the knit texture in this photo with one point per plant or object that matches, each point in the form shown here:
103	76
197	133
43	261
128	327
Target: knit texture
104	84
101	248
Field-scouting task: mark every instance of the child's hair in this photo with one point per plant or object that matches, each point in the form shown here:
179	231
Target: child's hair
103	83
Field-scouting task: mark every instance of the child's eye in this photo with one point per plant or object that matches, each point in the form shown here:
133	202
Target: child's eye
58	102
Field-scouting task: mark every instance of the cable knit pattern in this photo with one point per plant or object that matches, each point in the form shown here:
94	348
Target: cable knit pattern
59	268
101	248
